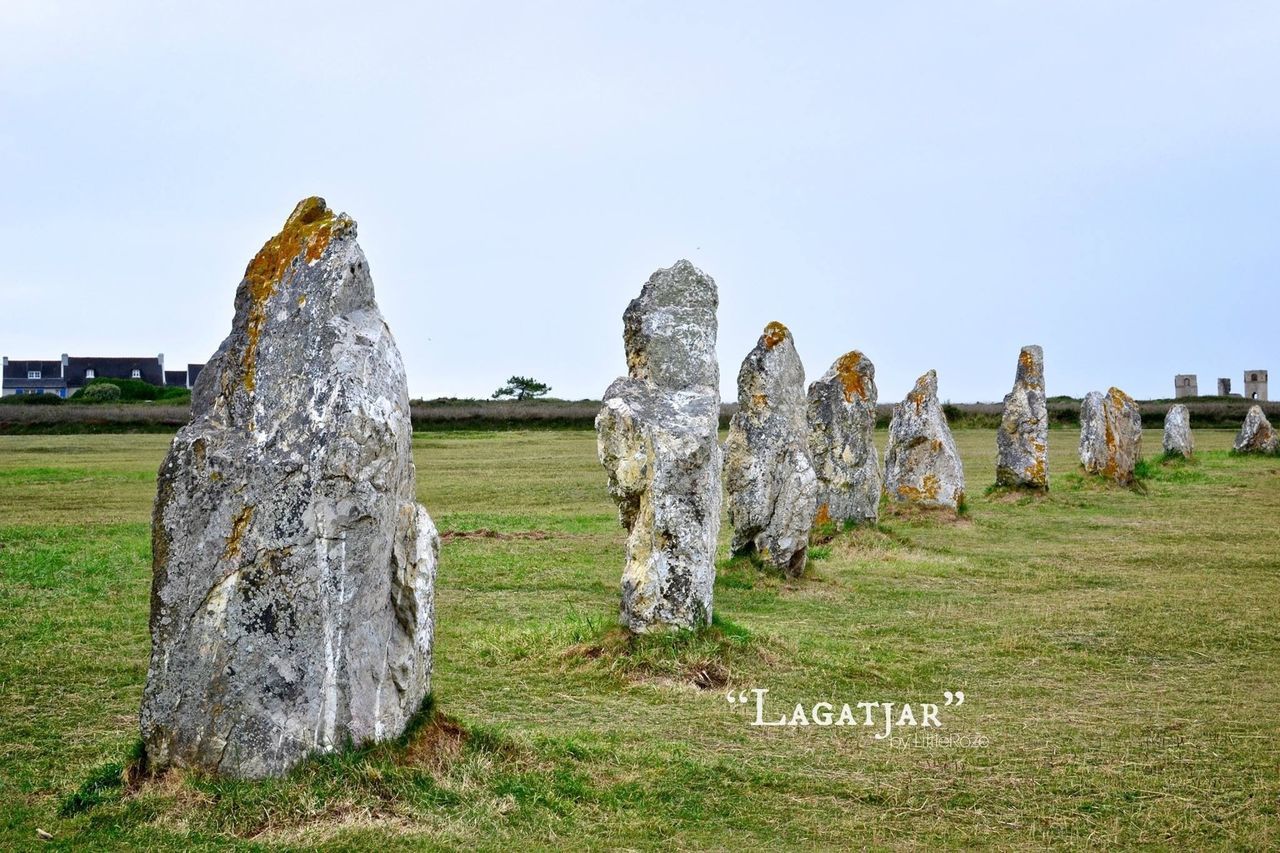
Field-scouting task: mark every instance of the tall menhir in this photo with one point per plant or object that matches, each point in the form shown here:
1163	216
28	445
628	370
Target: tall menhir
292	603
657	438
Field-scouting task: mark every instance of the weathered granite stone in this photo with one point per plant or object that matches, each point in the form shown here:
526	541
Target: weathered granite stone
1022	442
1177	432
842	422
1256	434
1110	435
921	464
768	475
657	436
292	602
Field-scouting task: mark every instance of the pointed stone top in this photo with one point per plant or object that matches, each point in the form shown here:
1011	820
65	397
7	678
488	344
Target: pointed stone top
1119	399
307	230
774	334
926	389
669	330
1030	368
856	374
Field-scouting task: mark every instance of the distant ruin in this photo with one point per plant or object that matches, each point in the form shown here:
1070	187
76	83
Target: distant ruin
1255	386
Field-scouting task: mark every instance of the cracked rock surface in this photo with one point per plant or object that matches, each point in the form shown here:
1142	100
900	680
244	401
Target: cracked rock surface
921	465
1022	442
292	601
1256	434
1177	432
842	423
768	473
1110	435
657	437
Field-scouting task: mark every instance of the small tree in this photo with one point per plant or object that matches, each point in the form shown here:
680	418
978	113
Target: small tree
522	388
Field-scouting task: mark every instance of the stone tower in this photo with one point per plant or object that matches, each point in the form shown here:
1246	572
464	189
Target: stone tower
1185	385
1255	385
1224	387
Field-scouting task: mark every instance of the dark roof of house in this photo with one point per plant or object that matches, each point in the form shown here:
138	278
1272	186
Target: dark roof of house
17	369
193	370
48	382
114	368
175	377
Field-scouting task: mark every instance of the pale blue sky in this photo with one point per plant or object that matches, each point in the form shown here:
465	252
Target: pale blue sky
935	184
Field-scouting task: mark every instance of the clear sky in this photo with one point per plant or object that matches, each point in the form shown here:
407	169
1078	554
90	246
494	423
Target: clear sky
935	184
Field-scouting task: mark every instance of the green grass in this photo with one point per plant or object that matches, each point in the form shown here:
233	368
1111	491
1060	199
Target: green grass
1119	653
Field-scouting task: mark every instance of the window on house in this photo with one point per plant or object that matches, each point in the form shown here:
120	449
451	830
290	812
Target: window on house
135	374
34	374
90	374
1253	377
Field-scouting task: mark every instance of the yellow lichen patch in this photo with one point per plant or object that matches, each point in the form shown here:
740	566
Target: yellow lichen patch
823	516
917	394
1027	362
1035	472
1119	399
850	376
307	233
928	490
774	334
936	445
759	400
238	528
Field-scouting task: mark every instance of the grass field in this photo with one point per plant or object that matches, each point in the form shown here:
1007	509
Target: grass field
1119	653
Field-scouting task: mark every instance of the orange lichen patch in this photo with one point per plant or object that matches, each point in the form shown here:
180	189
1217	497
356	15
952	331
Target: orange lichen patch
850	376
917	394
1027	363
935	445
928	490
1119	399
759	400
823	516
238	528
1035	472
306	233
774	334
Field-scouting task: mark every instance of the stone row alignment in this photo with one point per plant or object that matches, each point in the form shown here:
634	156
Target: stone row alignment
293	590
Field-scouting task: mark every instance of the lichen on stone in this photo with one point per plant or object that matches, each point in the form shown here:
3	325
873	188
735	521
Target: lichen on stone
921	463
306	234
774	334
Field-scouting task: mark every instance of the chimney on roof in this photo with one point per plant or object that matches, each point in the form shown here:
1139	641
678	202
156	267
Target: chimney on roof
63	372
6	361
160	358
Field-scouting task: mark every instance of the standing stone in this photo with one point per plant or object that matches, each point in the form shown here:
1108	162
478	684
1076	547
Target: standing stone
769	477
1256	434
842	422
1022	442
657	436
292	598
1110	435
921	465
1177	432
